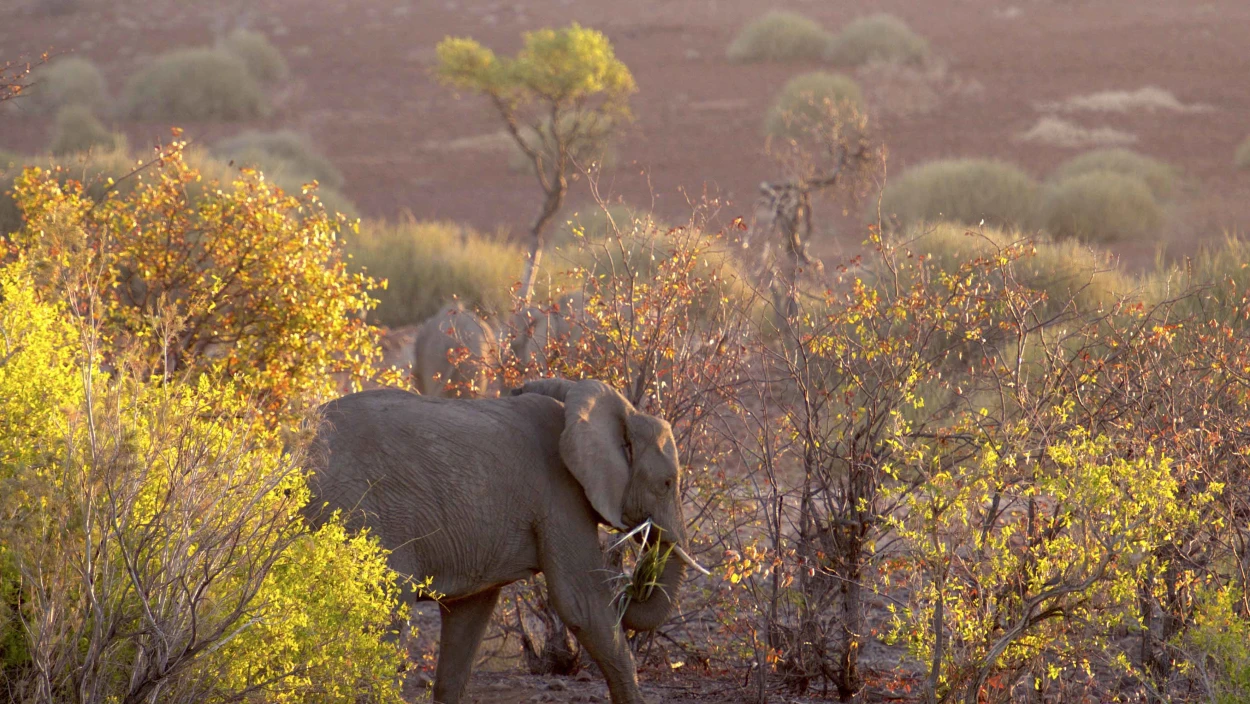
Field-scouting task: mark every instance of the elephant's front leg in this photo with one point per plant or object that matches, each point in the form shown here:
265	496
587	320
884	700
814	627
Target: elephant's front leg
464	623
581	596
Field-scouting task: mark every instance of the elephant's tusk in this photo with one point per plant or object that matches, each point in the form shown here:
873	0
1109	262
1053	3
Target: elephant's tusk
690	561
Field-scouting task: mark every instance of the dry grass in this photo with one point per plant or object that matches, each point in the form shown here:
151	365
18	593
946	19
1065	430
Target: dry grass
1242	156
1061	133
1148	99
283	154
966	191
779	36
64	82
78	130
1159	176
1102	206
810	99
428	263
262	58
877	38
195	84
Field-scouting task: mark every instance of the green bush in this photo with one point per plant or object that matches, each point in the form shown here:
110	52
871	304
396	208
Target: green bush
133	510
964	191
78	130
779	36
63	82
1065	269
426	264
281	155
812	99
1101	206
1242	157
1159	176
262	58
882	37
195	84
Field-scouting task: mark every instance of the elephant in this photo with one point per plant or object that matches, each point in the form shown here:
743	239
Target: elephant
535	328
454	332
475	494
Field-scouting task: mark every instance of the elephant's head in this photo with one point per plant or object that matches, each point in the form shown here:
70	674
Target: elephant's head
627	464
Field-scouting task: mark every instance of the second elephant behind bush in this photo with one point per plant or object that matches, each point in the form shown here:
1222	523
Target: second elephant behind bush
455	354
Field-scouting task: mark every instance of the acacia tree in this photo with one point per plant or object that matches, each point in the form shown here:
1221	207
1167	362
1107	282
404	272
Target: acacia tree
564	88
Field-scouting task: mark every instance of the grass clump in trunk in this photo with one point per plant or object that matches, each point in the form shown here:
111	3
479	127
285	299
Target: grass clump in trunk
1102	206
1160	177
263	60
426	264
78	130
964	191
64	82
779	36
877	38
811	99
195	84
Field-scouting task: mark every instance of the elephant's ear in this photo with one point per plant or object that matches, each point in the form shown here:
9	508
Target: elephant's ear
591	445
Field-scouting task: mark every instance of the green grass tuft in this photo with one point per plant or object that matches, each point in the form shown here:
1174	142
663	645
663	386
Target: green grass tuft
64	82
428	263
263	60
1102	206
779	36
281	155
78	130
964	191
195	84
1242	156
1160	177
877	38
811	99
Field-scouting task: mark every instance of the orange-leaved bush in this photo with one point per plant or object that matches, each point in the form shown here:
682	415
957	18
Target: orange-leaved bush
242	282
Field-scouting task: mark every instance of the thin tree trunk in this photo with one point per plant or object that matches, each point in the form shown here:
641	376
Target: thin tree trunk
551	206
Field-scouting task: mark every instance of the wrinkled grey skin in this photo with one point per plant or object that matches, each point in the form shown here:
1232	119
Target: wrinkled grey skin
451	328
535	329
481	493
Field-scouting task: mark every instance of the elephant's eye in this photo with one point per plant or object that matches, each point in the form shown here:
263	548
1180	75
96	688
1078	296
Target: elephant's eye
668	483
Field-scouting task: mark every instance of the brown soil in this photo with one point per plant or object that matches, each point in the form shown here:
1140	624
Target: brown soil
362	87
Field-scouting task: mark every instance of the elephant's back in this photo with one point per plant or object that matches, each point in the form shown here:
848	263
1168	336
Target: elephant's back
424	472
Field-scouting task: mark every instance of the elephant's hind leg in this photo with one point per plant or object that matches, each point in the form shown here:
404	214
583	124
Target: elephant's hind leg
464	623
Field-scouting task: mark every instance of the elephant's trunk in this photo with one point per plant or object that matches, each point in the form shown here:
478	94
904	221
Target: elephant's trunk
651	614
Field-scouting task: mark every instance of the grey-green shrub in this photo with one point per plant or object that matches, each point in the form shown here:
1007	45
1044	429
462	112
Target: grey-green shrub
79	130
881	37
779	36
264	61
1159	176
71	80
810	99
1101	206
281	154
1242	156
964	191
195	84
426	264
